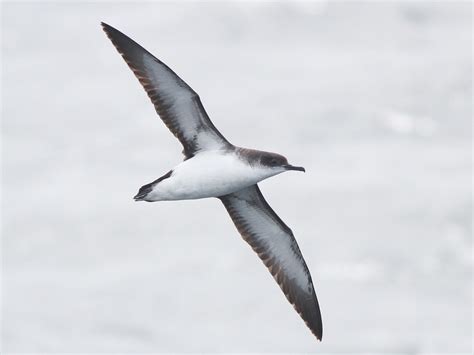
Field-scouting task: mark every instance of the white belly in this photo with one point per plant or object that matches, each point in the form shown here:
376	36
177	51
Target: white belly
208	174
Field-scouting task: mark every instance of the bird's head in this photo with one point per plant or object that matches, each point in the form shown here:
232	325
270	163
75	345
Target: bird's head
276	162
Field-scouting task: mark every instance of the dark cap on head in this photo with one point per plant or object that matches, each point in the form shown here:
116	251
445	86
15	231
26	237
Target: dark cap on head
273	160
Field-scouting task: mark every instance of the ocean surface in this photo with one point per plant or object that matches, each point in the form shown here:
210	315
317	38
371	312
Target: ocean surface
373	99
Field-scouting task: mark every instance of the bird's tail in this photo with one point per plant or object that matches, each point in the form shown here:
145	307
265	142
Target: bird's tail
146	189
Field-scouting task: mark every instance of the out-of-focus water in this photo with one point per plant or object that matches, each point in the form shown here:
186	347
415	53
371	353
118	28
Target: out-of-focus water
374	99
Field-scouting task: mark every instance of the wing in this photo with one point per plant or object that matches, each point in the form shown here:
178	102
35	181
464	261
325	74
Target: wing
275	244
175	102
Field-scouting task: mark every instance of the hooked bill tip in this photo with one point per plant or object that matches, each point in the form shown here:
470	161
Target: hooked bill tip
297	168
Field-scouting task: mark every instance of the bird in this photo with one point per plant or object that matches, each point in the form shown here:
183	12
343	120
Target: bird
213	167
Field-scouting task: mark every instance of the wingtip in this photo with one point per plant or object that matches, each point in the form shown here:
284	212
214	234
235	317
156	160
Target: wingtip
108	29
316	329
319	335
319	329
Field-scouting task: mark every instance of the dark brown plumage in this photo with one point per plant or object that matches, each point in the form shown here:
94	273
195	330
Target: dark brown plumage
176	103
261	228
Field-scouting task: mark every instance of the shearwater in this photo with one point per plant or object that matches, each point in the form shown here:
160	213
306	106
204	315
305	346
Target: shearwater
213	167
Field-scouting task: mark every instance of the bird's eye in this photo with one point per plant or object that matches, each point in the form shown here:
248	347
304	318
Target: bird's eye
271	161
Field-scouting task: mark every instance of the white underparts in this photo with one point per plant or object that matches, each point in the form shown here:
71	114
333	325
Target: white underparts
209	174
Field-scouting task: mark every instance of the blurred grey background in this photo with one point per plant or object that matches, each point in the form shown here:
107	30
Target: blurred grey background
374	99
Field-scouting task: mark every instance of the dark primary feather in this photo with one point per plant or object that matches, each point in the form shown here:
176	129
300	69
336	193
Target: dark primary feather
176	103
275	244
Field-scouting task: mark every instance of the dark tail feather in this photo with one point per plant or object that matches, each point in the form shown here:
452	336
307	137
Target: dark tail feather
146	189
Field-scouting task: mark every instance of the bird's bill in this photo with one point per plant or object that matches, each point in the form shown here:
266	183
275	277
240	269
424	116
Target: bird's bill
291	167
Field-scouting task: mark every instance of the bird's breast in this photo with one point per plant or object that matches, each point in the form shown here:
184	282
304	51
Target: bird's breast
208	174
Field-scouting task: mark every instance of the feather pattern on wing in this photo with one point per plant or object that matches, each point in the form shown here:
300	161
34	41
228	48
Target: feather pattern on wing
275	244
176	103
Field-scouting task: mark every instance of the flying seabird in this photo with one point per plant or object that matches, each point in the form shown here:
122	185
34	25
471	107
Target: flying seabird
213	167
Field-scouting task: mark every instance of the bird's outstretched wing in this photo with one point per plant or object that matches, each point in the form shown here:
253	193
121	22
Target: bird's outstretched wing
275	244
176	103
